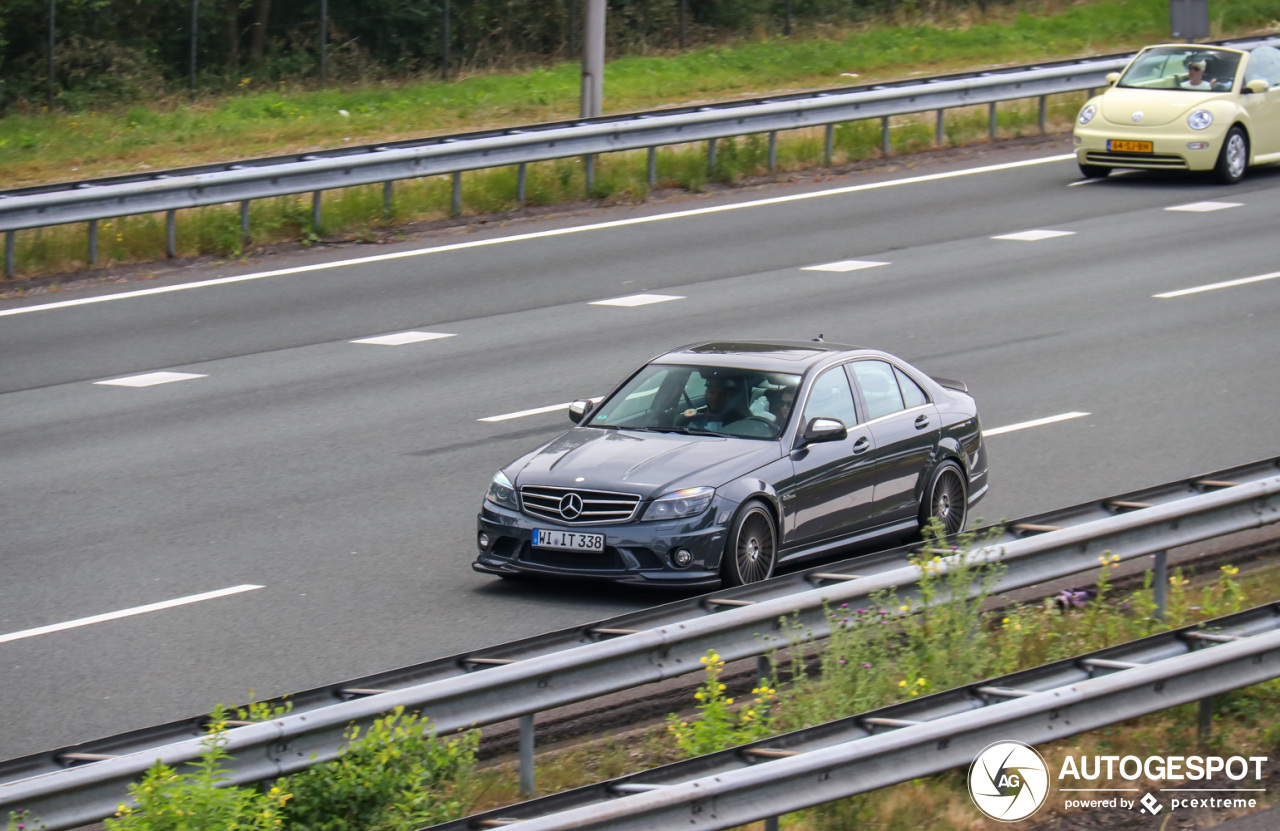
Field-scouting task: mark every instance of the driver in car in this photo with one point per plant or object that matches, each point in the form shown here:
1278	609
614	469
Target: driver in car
726	403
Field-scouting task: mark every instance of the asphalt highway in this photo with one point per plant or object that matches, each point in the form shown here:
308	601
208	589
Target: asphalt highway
325	488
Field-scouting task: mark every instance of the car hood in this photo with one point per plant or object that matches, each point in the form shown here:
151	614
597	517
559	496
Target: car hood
1158	107
644	463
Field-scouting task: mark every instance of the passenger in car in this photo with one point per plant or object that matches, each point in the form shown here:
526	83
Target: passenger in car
1195	76
726	402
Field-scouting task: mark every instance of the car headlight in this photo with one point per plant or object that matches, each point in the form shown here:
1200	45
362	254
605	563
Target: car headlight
502	492
1200	119
1087	114
687	502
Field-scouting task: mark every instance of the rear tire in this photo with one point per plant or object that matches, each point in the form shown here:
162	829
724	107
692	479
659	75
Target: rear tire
1233	158
751	551
946	499
1094	171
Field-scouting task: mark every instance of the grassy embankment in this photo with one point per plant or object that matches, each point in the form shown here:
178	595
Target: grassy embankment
45	147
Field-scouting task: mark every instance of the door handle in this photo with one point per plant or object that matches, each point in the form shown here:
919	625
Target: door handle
922	421
862	445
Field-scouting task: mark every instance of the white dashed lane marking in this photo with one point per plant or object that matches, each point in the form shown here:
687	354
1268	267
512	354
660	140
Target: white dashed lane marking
1205	207
402	338
1039	422
136	610
636	300
843	265
1035	236
1215	286
150	379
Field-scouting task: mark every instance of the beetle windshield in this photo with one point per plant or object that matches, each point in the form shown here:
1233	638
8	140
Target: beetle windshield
1188	67
701	399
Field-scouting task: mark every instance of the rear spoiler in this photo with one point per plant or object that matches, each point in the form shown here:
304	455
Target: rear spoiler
958	386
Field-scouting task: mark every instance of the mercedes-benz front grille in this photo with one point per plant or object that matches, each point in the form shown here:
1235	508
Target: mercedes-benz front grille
578	506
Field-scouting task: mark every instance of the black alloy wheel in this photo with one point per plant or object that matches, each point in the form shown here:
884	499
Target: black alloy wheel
947	499
751	552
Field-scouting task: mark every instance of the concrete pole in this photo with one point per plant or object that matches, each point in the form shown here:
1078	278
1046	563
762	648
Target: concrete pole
593	59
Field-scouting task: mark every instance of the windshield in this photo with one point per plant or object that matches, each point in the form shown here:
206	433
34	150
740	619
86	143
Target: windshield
703	400
1187	67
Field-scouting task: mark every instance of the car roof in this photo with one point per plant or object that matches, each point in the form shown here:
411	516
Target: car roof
762	355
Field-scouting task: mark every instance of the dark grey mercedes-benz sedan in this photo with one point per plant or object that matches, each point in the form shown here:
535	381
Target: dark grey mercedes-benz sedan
715	463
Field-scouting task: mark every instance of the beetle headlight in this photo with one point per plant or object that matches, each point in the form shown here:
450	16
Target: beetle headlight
502	492
1200	119
688	502
1087	114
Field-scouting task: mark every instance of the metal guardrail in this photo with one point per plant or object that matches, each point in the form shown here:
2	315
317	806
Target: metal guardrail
518	680
169	191
916	738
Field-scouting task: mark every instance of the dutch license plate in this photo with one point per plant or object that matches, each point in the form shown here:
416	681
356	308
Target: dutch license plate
568	540
1118	146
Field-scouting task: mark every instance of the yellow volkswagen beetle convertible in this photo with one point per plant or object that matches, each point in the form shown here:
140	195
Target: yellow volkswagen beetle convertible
1185	107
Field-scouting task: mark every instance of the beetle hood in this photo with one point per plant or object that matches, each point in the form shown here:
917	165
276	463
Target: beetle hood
1158	107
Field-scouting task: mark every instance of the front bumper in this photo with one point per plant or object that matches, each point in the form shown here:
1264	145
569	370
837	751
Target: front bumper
636	553
1173	148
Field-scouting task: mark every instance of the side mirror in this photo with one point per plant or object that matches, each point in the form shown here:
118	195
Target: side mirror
824	429
1257	85
1112	77
578	410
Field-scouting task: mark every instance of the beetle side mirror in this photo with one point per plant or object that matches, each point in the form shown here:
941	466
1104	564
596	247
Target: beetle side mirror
820	430
1112	77
578	410
1257	86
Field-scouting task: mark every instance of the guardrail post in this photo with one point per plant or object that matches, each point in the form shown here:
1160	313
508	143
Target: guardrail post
521	177
388	194
93	243
885	144
316	203
10	241
711	157
939	129
1205	728
455	207
991	120
171	234
829	148
1160	583
1044	111
526	756
589	164
653	167
773	151
244	222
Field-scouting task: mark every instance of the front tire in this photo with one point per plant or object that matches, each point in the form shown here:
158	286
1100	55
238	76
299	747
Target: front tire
1094	171
751	551
1233	158
946	499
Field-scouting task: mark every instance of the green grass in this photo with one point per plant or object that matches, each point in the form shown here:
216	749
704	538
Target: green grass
38	147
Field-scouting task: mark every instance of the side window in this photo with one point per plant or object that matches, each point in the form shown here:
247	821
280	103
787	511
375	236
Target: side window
830	397
879	388
1264	64
912	395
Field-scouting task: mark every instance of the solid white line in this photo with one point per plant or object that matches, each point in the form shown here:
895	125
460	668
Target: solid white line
459	246
1214	286
137	610
1039	422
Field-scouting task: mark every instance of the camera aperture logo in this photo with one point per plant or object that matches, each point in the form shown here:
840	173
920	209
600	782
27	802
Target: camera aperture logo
1009	781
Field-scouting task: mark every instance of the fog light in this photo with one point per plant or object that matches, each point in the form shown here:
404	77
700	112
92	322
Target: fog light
681	557
1197	145
483	541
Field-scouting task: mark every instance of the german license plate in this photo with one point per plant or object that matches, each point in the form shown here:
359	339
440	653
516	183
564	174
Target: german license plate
568	540
1118	146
